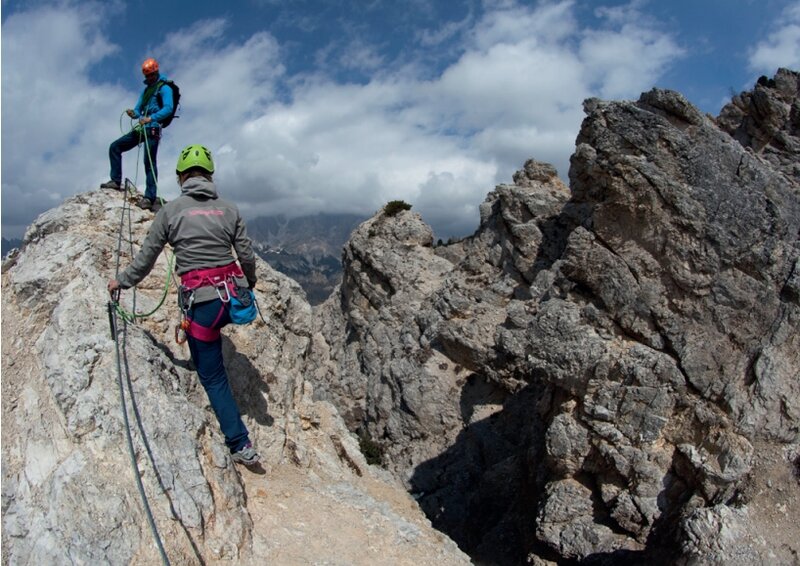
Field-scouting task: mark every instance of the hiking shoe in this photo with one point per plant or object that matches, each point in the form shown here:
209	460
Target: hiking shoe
156	206
247	455
145	203
111	184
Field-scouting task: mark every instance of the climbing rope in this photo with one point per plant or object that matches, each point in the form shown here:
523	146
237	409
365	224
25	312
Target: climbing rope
133	315
150	159
131	451
146	144
132	125
115	310
112	316
121	354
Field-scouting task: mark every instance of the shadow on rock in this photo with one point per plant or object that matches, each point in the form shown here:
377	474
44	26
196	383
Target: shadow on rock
483	491
250	388
256	469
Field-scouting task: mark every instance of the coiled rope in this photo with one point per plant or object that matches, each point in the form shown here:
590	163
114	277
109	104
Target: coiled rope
133	315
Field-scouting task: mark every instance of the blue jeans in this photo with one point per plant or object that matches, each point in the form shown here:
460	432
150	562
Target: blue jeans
207	358
128	142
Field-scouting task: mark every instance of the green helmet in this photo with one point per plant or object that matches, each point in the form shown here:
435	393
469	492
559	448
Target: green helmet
195	155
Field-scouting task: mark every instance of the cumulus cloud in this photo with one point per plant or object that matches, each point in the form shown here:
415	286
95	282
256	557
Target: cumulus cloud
781	48
59	122
439	138
628	55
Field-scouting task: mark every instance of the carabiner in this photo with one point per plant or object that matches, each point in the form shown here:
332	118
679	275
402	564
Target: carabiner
227	292
182	331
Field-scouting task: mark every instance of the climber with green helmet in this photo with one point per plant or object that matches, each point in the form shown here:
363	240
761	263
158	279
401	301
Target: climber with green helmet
203	229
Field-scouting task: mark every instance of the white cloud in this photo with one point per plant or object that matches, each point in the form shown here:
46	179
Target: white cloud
549	24
54	135
310	143
360	56
613	59
782	47
628	55
432	38
221	83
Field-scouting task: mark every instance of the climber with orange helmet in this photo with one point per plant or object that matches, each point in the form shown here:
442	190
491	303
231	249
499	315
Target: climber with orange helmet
155	104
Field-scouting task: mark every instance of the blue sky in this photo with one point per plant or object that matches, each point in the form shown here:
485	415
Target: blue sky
340	106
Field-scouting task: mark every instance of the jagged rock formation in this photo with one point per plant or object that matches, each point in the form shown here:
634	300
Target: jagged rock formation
767	121
608	373
9	244
68	491
602	374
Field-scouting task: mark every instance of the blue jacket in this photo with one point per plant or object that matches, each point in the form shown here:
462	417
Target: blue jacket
152	108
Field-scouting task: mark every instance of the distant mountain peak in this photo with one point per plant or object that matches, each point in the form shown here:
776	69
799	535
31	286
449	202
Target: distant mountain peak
306	248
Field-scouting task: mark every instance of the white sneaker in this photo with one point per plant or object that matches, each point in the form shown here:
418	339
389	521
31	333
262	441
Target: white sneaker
247	455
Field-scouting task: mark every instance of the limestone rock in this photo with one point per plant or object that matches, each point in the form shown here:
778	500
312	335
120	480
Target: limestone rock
68	485
595	364
607	373
766	119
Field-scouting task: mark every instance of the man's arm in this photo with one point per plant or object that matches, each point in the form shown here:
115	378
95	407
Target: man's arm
137	110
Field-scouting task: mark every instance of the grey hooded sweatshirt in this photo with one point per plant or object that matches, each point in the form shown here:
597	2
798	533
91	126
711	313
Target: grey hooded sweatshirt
202	229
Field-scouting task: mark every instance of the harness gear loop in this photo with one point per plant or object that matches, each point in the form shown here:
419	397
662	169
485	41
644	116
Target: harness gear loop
218	277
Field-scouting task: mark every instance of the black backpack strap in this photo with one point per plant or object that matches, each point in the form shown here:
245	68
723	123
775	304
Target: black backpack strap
159	98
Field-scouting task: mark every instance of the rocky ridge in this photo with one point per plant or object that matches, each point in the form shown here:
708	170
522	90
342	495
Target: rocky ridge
607	373
68	491
602	374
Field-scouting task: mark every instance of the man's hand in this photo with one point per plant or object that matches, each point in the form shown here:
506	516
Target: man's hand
144	120
113	285
130	113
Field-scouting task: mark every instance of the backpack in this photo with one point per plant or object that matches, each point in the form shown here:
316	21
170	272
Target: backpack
176	97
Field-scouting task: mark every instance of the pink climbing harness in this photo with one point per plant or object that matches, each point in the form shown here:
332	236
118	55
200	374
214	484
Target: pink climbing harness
221	278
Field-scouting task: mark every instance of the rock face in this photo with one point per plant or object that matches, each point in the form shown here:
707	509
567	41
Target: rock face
69	493
602	374
766	120
609	372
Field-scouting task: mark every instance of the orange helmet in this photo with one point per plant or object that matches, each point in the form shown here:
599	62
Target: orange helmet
149	66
